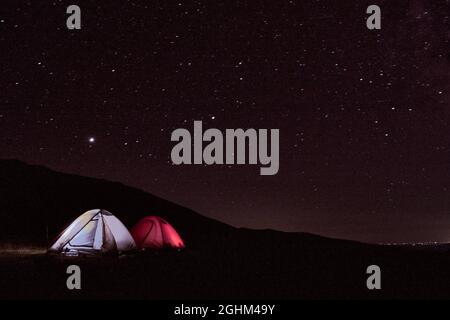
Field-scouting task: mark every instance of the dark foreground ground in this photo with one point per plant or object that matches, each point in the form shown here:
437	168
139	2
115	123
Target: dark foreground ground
316	273
220	262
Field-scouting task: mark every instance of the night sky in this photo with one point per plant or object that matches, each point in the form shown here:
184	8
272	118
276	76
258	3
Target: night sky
364	116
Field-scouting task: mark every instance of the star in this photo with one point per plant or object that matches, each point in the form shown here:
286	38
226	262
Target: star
91	140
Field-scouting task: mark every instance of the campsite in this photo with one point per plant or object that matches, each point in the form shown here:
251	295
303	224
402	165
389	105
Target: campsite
99	232
218	261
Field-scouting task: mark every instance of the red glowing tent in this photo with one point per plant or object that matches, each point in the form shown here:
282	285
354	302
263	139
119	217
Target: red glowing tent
153	232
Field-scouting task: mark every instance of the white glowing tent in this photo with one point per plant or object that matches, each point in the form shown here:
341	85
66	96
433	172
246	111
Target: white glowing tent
94	232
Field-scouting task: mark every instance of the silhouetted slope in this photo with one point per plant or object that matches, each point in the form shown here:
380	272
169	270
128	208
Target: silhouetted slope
220	261
36	200
33	198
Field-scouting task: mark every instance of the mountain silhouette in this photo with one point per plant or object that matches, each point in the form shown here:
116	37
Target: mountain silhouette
220	261
38	203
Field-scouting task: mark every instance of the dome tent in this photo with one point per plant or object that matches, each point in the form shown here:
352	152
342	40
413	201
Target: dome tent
155	233
94	232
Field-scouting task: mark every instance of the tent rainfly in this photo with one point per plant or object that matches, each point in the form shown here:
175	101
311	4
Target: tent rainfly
155	233
94	232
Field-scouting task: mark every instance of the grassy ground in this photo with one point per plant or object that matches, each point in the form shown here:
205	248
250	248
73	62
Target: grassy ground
240	274
21	251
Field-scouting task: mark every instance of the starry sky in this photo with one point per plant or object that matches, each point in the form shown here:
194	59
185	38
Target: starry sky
364	115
